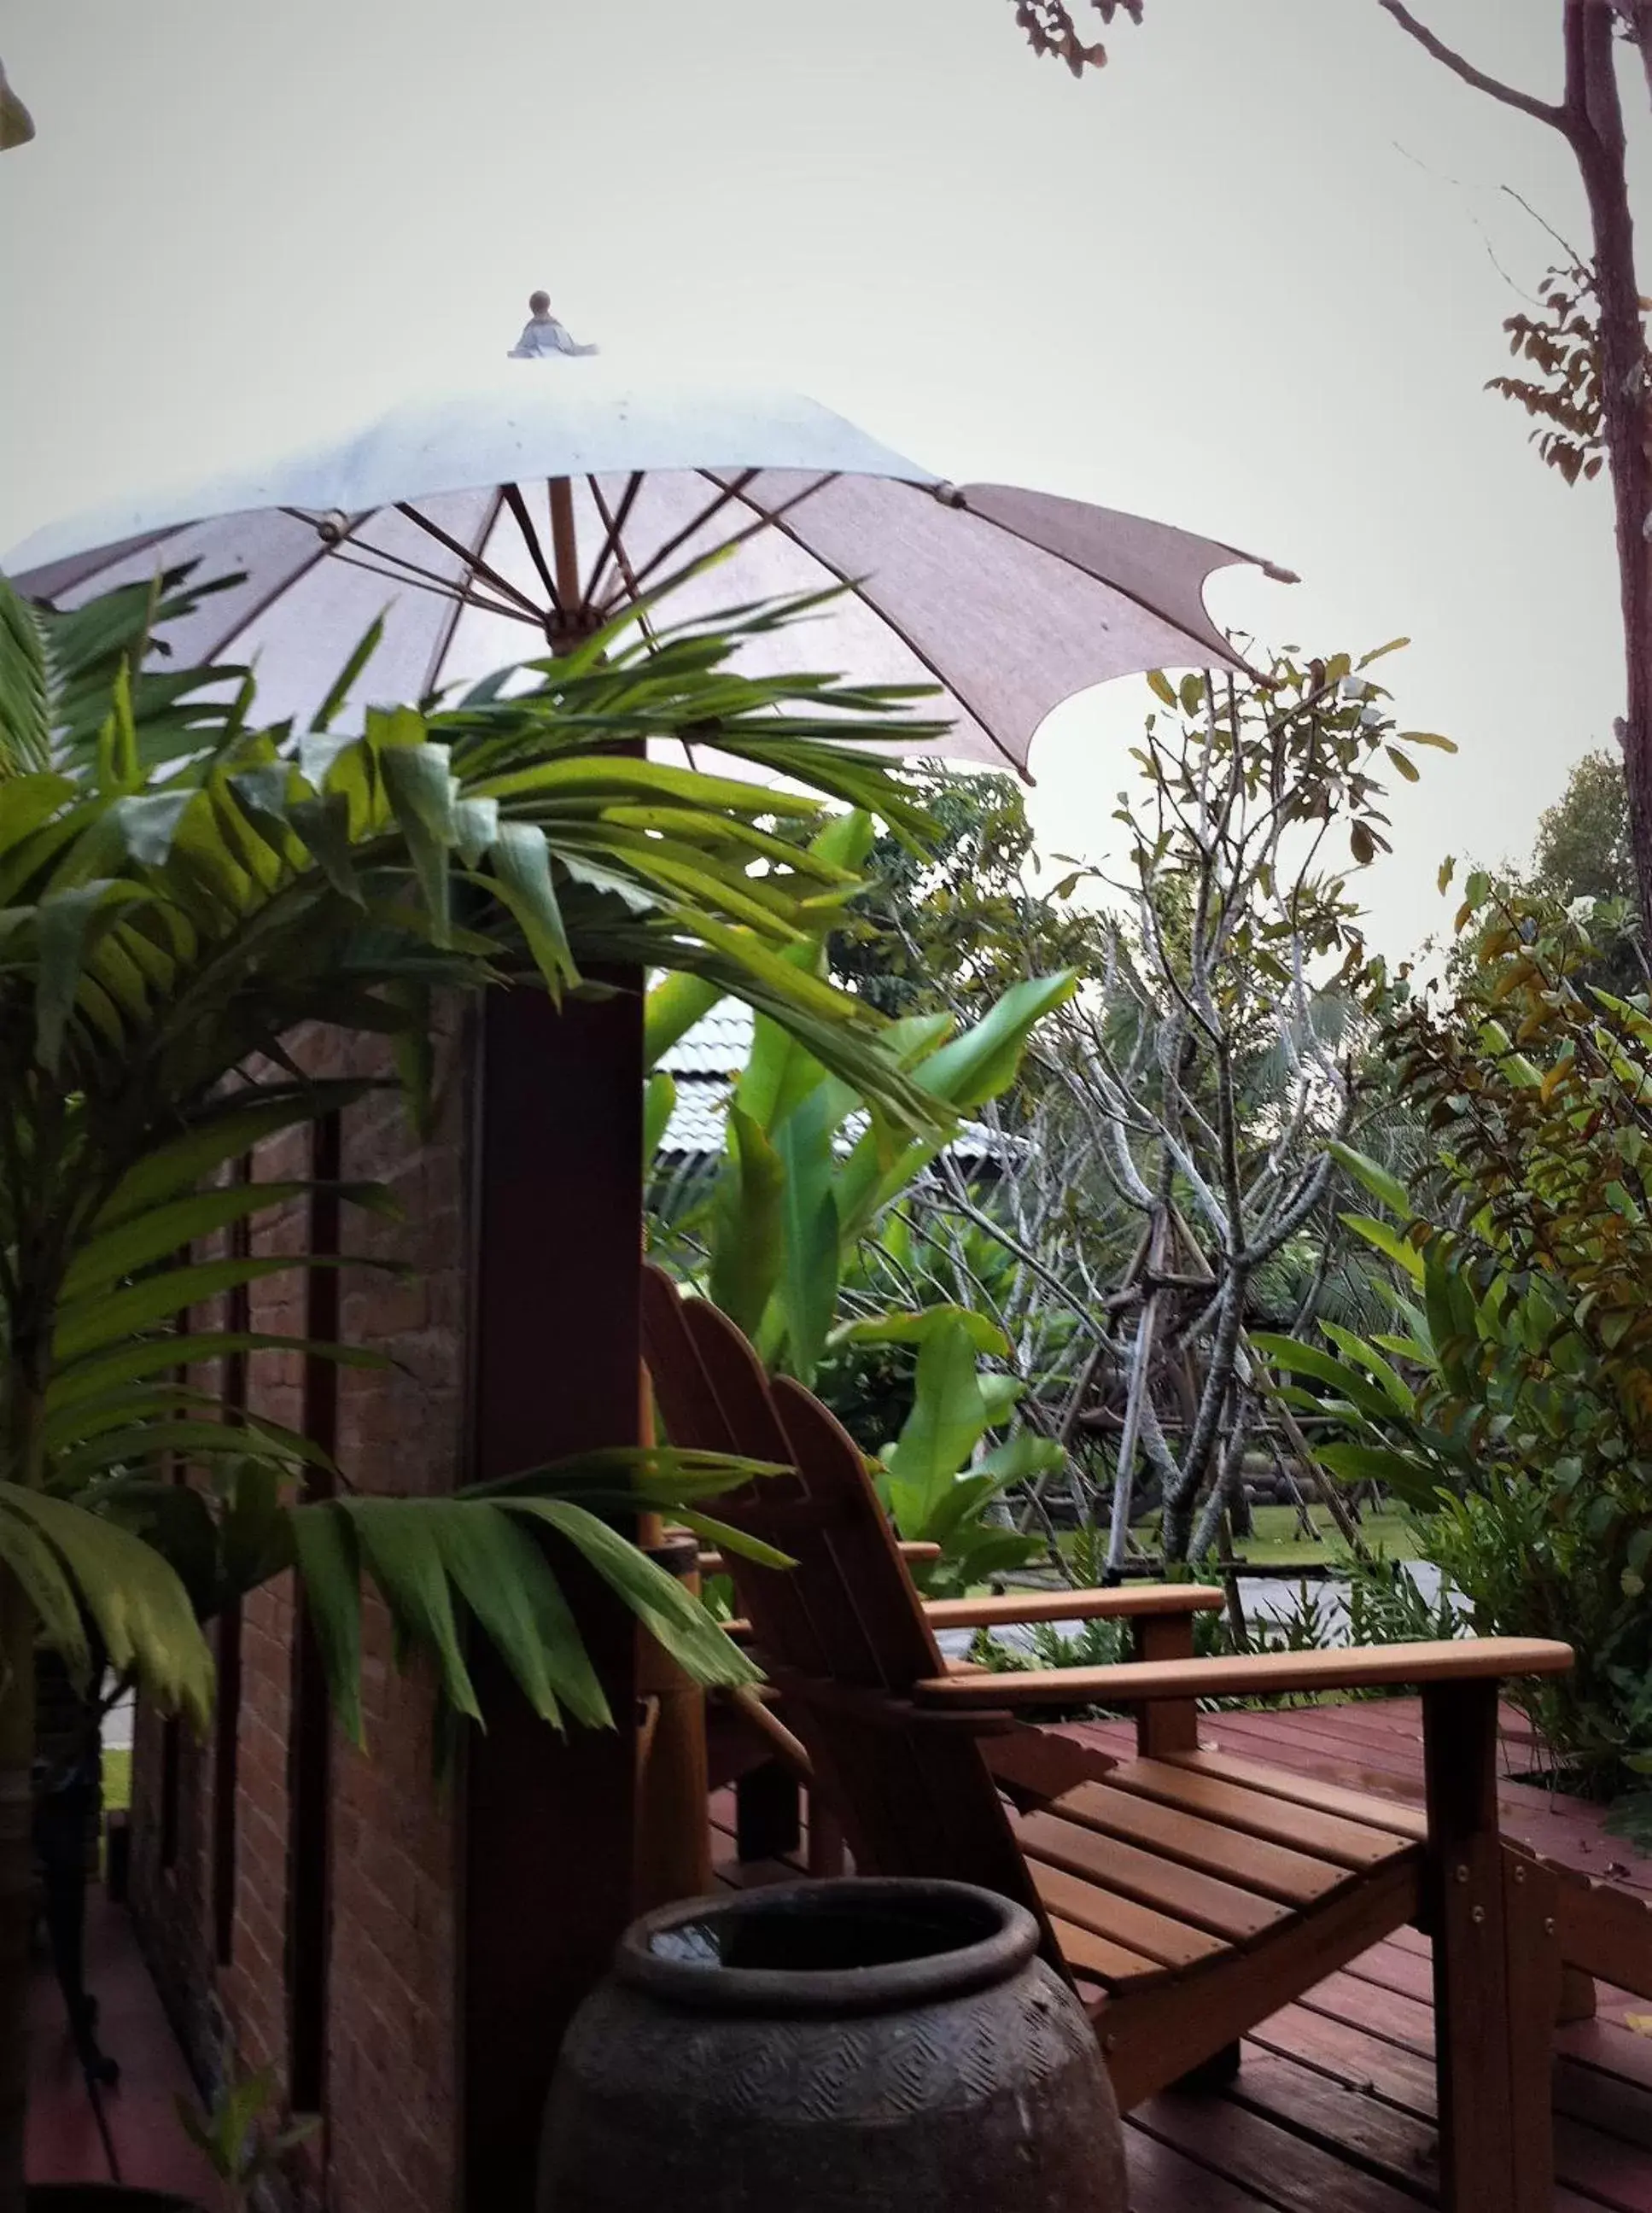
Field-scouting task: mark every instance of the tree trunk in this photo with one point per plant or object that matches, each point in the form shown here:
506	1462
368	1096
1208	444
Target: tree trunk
16	1877
1594	126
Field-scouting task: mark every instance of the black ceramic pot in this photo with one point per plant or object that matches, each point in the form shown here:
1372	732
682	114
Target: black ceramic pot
830	2046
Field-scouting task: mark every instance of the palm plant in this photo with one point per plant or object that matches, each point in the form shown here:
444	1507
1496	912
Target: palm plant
180	891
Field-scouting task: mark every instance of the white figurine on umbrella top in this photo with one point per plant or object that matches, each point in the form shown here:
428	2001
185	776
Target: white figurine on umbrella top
543	335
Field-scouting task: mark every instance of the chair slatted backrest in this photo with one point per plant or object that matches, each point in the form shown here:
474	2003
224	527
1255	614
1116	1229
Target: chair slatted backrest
843	1632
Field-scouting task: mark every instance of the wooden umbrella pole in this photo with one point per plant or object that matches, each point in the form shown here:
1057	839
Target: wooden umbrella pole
674	1836
564	552
671	1839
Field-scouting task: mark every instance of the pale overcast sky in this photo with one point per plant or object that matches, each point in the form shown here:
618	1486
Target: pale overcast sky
1242	280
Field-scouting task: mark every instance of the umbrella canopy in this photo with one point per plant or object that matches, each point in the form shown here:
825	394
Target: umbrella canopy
484	525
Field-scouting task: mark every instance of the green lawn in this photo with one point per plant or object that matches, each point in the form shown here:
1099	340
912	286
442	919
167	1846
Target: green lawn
117	1780
1278	1542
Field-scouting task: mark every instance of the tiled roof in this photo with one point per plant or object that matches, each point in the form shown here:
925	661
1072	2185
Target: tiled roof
704	1064
718	1044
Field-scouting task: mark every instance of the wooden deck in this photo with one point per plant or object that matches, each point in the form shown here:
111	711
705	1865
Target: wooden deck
1333	2109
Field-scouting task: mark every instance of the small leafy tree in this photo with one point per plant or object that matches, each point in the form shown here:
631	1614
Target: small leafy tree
947	928
1511	1403
1217	1064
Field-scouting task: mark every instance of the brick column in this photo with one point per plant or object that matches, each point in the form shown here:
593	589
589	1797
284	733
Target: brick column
547	1852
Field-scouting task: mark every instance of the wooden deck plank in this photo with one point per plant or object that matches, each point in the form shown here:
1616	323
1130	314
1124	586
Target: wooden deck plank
1398	2146
1603	2128
1571	1834
1295	2174
1165	2180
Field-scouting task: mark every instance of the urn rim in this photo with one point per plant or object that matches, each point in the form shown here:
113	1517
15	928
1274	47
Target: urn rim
863	1944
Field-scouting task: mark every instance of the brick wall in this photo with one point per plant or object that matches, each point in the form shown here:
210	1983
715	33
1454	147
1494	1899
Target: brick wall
390	2062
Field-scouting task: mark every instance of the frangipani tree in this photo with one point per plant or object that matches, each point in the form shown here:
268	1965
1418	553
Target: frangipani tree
1214	1063
180	890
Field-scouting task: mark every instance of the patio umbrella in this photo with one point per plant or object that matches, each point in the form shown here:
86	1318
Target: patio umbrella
488	524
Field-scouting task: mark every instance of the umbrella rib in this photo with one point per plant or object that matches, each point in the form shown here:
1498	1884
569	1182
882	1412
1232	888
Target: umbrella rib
767	518
425	580
450	621
518	506
728	492
244	621
621	559
102	558
474	563
946	683
611	547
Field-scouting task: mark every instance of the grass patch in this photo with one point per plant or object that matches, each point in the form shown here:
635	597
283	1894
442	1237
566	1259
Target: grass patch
1279	1541
117	1779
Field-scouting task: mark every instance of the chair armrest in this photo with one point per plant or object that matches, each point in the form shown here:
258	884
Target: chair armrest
713	1564
1125	1602
1261	1674
1138	1602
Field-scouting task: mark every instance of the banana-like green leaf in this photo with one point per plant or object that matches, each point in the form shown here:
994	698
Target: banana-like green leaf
658	1104
747	1214
1412	1480
674	1007
1340	1376
1387	1240
948	1417
1372	1176
1354	1348
982	1061
964	1072
913	1328
812	1250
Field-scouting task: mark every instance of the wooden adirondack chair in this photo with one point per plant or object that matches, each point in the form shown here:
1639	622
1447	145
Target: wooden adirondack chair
1186	1896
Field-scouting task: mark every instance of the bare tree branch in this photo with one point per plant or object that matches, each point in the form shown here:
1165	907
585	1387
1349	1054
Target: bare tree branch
1543	110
